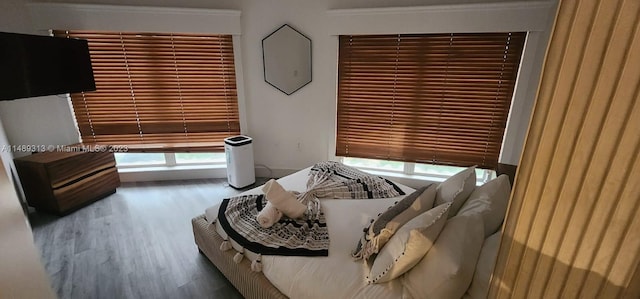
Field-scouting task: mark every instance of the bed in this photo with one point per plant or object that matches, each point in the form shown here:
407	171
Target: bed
338	275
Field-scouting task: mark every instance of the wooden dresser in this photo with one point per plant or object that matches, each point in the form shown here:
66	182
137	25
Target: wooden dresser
61	182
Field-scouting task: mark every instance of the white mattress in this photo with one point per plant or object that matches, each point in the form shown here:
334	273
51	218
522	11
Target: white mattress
334	276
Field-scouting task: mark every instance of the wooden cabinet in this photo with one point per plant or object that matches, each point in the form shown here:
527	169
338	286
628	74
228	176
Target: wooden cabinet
61	182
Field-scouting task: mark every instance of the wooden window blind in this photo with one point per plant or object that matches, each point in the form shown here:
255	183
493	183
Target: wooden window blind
158	92
427	98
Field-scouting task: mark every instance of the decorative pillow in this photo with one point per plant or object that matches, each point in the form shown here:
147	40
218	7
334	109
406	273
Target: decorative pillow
380	231
479	288
447	269
456	189
489	201
408	245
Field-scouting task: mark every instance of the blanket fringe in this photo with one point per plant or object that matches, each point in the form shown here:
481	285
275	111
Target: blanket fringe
238	257
357	253
256	266
373	244
225	245
369	249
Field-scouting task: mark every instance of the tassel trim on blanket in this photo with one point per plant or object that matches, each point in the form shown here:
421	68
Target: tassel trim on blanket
225	245
256	265
238	257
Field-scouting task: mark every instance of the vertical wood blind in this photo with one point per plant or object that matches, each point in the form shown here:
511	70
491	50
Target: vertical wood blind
573	225
429	98
158	91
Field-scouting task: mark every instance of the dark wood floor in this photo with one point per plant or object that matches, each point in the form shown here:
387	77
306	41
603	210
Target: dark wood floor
136	243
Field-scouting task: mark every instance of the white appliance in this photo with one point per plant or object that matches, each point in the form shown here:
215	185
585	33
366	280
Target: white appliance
240	169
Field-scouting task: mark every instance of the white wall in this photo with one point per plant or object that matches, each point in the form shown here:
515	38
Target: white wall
15	17
39	121
290	132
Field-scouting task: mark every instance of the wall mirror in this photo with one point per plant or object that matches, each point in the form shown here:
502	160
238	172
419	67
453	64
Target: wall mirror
287	59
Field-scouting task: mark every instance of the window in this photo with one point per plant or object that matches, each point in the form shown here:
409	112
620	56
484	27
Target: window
421	171
128	160
140	159
193	158
426	98
158	92
374	164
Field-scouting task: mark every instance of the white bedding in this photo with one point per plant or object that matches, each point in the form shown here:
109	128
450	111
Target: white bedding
334	276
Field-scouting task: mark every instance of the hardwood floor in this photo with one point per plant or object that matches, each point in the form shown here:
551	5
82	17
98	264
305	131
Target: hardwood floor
136	243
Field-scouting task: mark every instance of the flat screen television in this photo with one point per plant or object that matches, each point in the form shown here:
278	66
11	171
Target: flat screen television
34	65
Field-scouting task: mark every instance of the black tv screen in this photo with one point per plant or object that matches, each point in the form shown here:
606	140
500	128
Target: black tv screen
33	65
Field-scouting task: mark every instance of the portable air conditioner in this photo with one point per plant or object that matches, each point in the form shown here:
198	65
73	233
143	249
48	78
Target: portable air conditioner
240	168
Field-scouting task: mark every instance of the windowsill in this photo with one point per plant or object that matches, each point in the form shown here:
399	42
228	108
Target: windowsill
194	171
412	180
132	169
171	173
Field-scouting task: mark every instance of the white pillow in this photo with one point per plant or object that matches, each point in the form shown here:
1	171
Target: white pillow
479	288
408	245
456	189
447	269
489	201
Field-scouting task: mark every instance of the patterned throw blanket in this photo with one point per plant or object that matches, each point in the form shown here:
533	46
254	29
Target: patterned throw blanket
306	236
